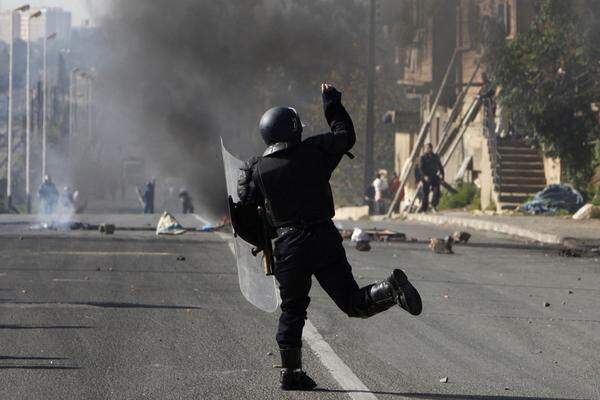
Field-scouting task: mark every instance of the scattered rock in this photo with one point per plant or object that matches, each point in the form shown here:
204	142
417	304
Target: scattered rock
461	237
363	246
546	304
98	269
21	238
110	269
569	252
107	229
270	353
24	291
181	258
444	380
579	278
506	388
570	292
564	303
589	211
442	246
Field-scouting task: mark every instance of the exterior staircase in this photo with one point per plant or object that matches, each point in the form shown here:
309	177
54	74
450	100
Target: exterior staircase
519	173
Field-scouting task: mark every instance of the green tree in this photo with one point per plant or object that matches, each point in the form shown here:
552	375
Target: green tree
549	78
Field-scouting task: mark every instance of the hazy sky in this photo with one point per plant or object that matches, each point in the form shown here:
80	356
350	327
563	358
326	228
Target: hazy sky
80	8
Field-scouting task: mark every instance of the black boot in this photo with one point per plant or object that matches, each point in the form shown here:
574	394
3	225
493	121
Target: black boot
292	376
405	293
394	290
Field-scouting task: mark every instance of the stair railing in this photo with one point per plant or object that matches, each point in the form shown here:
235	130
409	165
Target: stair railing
489	131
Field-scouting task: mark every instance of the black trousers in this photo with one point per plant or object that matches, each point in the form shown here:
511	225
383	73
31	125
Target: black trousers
433	185
299	255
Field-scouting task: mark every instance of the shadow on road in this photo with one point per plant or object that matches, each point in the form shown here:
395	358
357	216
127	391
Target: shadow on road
31	358
29	327
101	304
438	396
56	367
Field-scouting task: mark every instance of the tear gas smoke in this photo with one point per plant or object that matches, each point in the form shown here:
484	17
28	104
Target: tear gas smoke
183	73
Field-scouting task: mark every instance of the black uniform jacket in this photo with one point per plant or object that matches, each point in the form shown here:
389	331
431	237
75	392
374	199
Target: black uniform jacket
293	179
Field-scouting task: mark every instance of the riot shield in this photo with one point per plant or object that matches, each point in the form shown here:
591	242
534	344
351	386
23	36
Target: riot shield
258	289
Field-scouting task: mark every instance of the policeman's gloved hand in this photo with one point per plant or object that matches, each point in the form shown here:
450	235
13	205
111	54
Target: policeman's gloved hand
330	93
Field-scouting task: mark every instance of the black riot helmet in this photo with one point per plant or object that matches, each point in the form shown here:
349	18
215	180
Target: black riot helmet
280	124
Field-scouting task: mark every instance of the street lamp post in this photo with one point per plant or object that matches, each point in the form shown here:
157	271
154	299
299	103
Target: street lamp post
45	104
10	102
28	111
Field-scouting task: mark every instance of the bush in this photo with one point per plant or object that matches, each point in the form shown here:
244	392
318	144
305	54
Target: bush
466	194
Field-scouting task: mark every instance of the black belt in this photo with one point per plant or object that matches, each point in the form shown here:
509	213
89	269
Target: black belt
300	225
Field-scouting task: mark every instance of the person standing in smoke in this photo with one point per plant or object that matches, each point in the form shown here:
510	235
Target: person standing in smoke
291	181
187	206
48	195
148	196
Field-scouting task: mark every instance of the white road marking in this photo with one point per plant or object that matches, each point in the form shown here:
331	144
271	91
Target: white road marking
203	220
338	369
71	280
331	361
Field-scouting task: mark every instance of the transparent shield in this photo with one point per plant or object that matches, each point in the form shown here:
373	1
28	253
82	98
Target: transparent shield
258	289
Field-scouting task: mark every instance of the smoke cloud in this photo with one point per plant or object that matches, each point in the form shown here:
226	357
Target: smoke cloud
180	74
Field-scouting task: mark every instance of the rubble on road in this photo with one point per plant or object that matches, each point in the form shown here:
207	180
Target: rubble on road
461	237
377	235
362	240
589	211
441	246
107	229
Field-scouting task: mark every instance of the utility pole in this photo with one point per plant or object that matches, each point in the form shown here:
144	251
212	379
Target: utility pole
10	106
370	132
28	116
45	101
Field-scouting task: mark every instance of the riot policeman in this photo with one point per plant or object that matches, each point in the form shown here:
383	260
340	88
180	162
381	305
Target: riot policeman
291	182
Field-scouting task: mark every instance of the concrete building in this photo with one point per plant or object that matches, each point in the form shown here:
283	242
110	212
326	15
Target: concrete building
5	26
507	171
53	20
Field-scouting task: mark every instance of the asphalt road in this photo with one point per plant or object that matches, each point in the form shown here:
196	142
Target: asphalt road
89	317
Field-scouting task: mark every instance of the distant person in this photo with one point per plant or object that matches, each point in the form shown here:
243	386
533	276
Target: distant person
148	196
432	173
187	205
380	187
393	188
48	195
67	198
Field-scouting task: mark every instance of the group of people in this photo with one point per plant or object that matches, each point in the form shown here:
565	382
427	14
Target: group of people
429	173
380	193
147	194
50	198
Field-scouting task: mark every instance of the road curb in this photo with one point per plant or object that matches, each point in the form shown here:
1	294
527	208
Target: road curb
473	223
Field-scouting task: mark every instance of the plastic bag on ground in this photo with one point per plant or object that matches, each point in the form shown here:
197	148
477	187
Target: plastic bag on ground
553	198
168	225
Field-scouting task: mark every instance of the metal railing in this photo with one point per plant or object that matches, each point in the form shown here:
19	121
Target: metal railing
489	131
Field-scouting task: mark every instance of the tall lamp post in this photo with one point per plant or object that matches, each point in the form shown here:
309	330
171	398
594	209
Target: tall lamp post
28	111
45	105
10	102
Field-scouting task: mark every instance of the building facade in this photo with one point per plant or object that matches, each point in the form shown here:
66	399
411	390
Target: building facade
472	137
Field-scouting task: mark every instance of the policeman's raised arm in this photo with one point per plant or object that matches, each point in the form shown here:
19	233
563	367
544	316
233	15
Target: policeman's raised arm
344	136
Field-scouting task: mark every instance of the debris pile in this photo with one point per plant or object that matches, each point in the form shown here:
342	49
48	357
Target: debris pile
461	237
554	198
442	246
